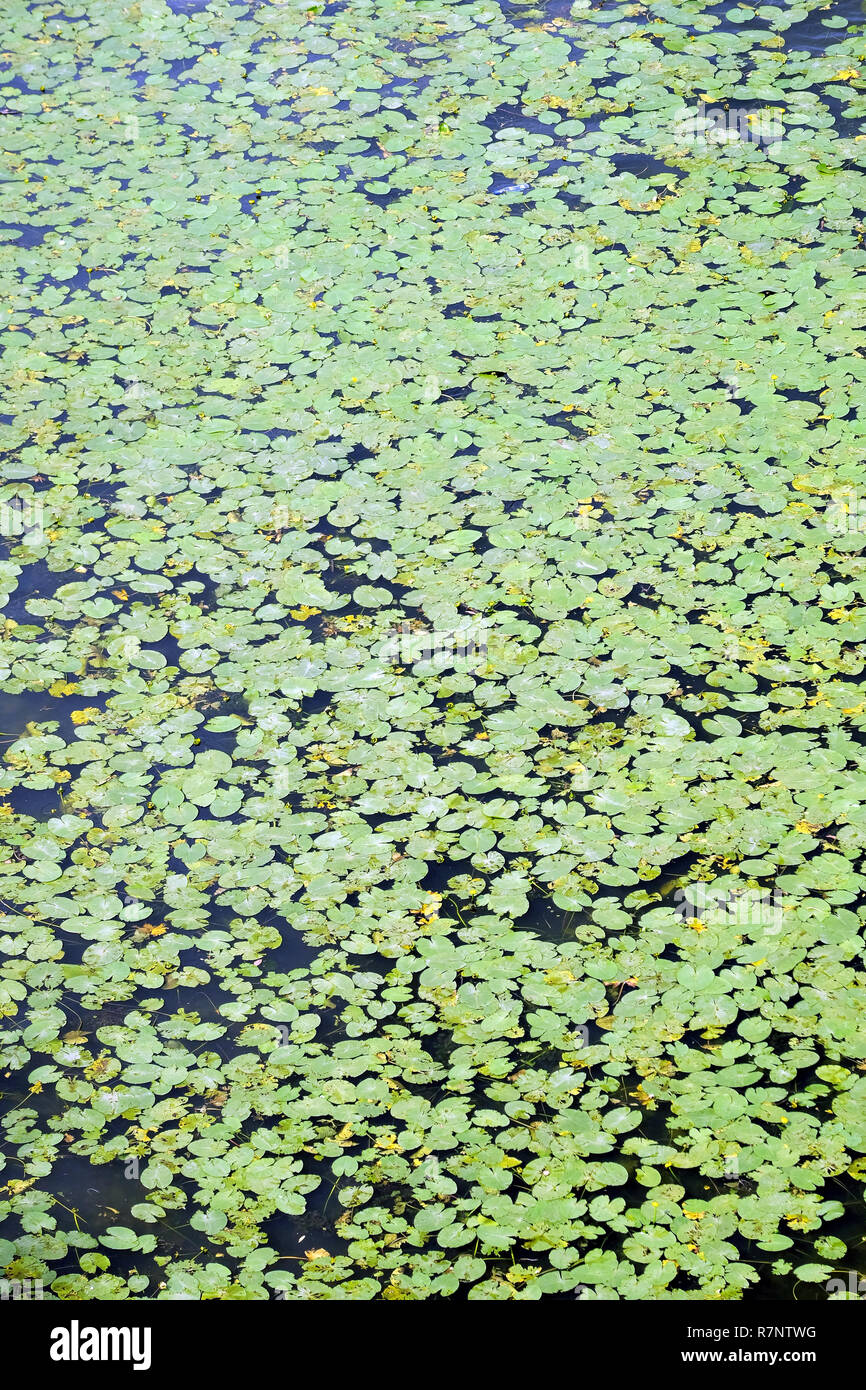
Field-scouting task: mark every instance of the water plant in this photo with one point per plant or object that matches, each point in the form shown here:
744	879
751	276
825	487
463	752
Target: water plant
433	588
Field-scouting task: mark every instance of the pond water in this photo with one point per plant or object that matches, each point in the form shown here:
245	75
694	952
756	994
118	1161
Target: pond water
432	551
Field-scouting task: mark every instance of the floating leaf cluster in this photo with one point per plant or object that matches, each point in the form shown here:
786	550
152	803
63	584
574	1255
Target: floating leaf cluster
432	774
